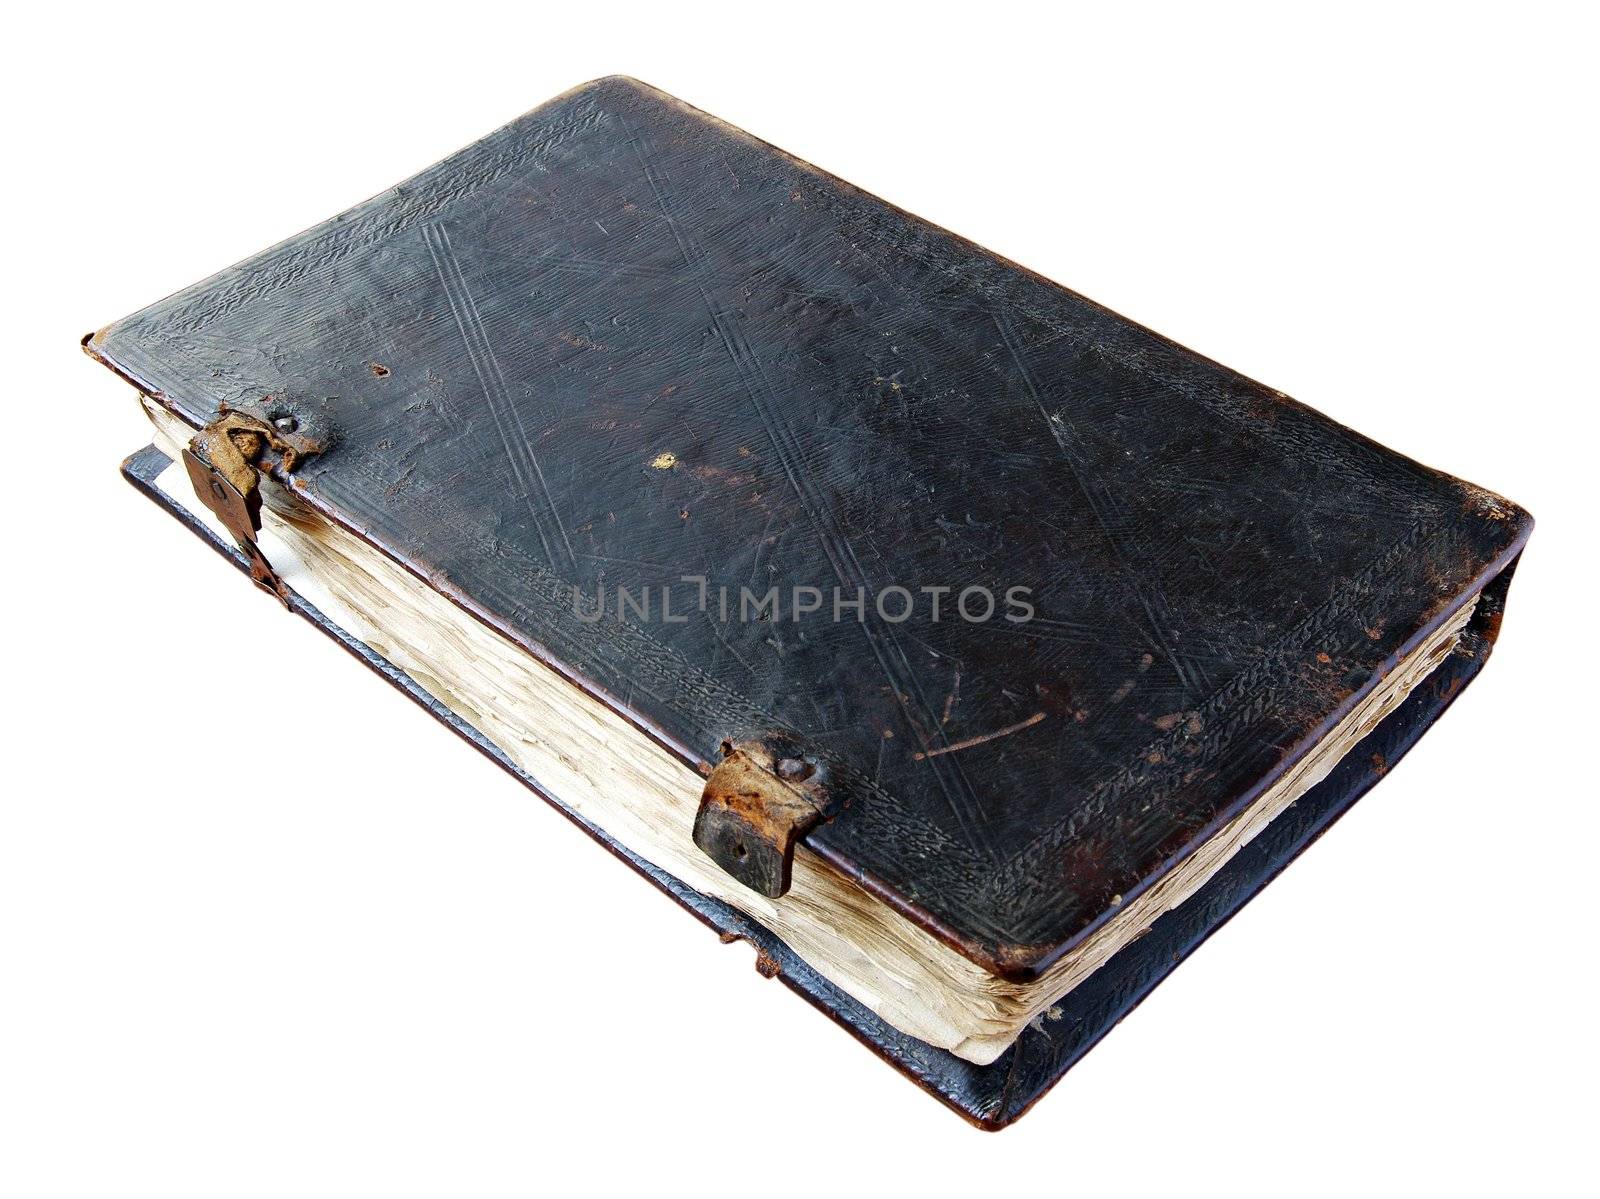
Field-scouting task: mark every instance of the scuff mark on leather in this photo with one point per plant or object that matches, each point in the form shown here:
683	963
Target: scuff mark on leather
979	740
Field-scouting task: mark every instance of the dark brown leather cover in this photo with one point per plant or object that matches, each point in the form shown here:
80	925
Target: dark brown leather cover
618	342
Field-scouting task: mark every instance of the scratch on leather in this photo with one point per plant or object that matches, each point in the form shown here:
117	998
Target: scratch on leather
982	739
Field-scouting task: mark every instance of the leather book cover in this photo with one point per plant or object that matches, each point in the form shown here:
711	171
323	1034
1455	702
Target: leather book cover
1081	595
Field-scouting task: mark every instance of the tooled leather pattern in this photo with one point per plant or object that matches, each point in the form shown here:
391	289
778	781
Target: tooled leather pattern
848	397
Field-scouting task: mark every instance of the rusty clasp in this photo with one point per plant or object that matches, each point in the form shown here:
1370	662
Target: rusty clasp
759	801
223	464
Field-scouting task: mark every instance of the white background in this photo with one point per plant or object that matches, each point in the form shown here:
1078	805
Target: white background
267	929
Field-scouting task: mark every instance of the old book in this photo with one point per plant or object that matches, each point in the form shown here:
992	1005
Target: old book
970	649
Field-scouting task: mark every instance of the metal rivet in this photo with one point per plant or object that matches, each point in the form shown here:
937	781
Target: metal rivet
793	768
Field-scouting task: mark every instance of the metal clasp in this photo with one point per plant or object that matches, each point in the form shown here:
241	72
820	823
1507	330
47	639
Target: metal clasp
759	801
222	460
